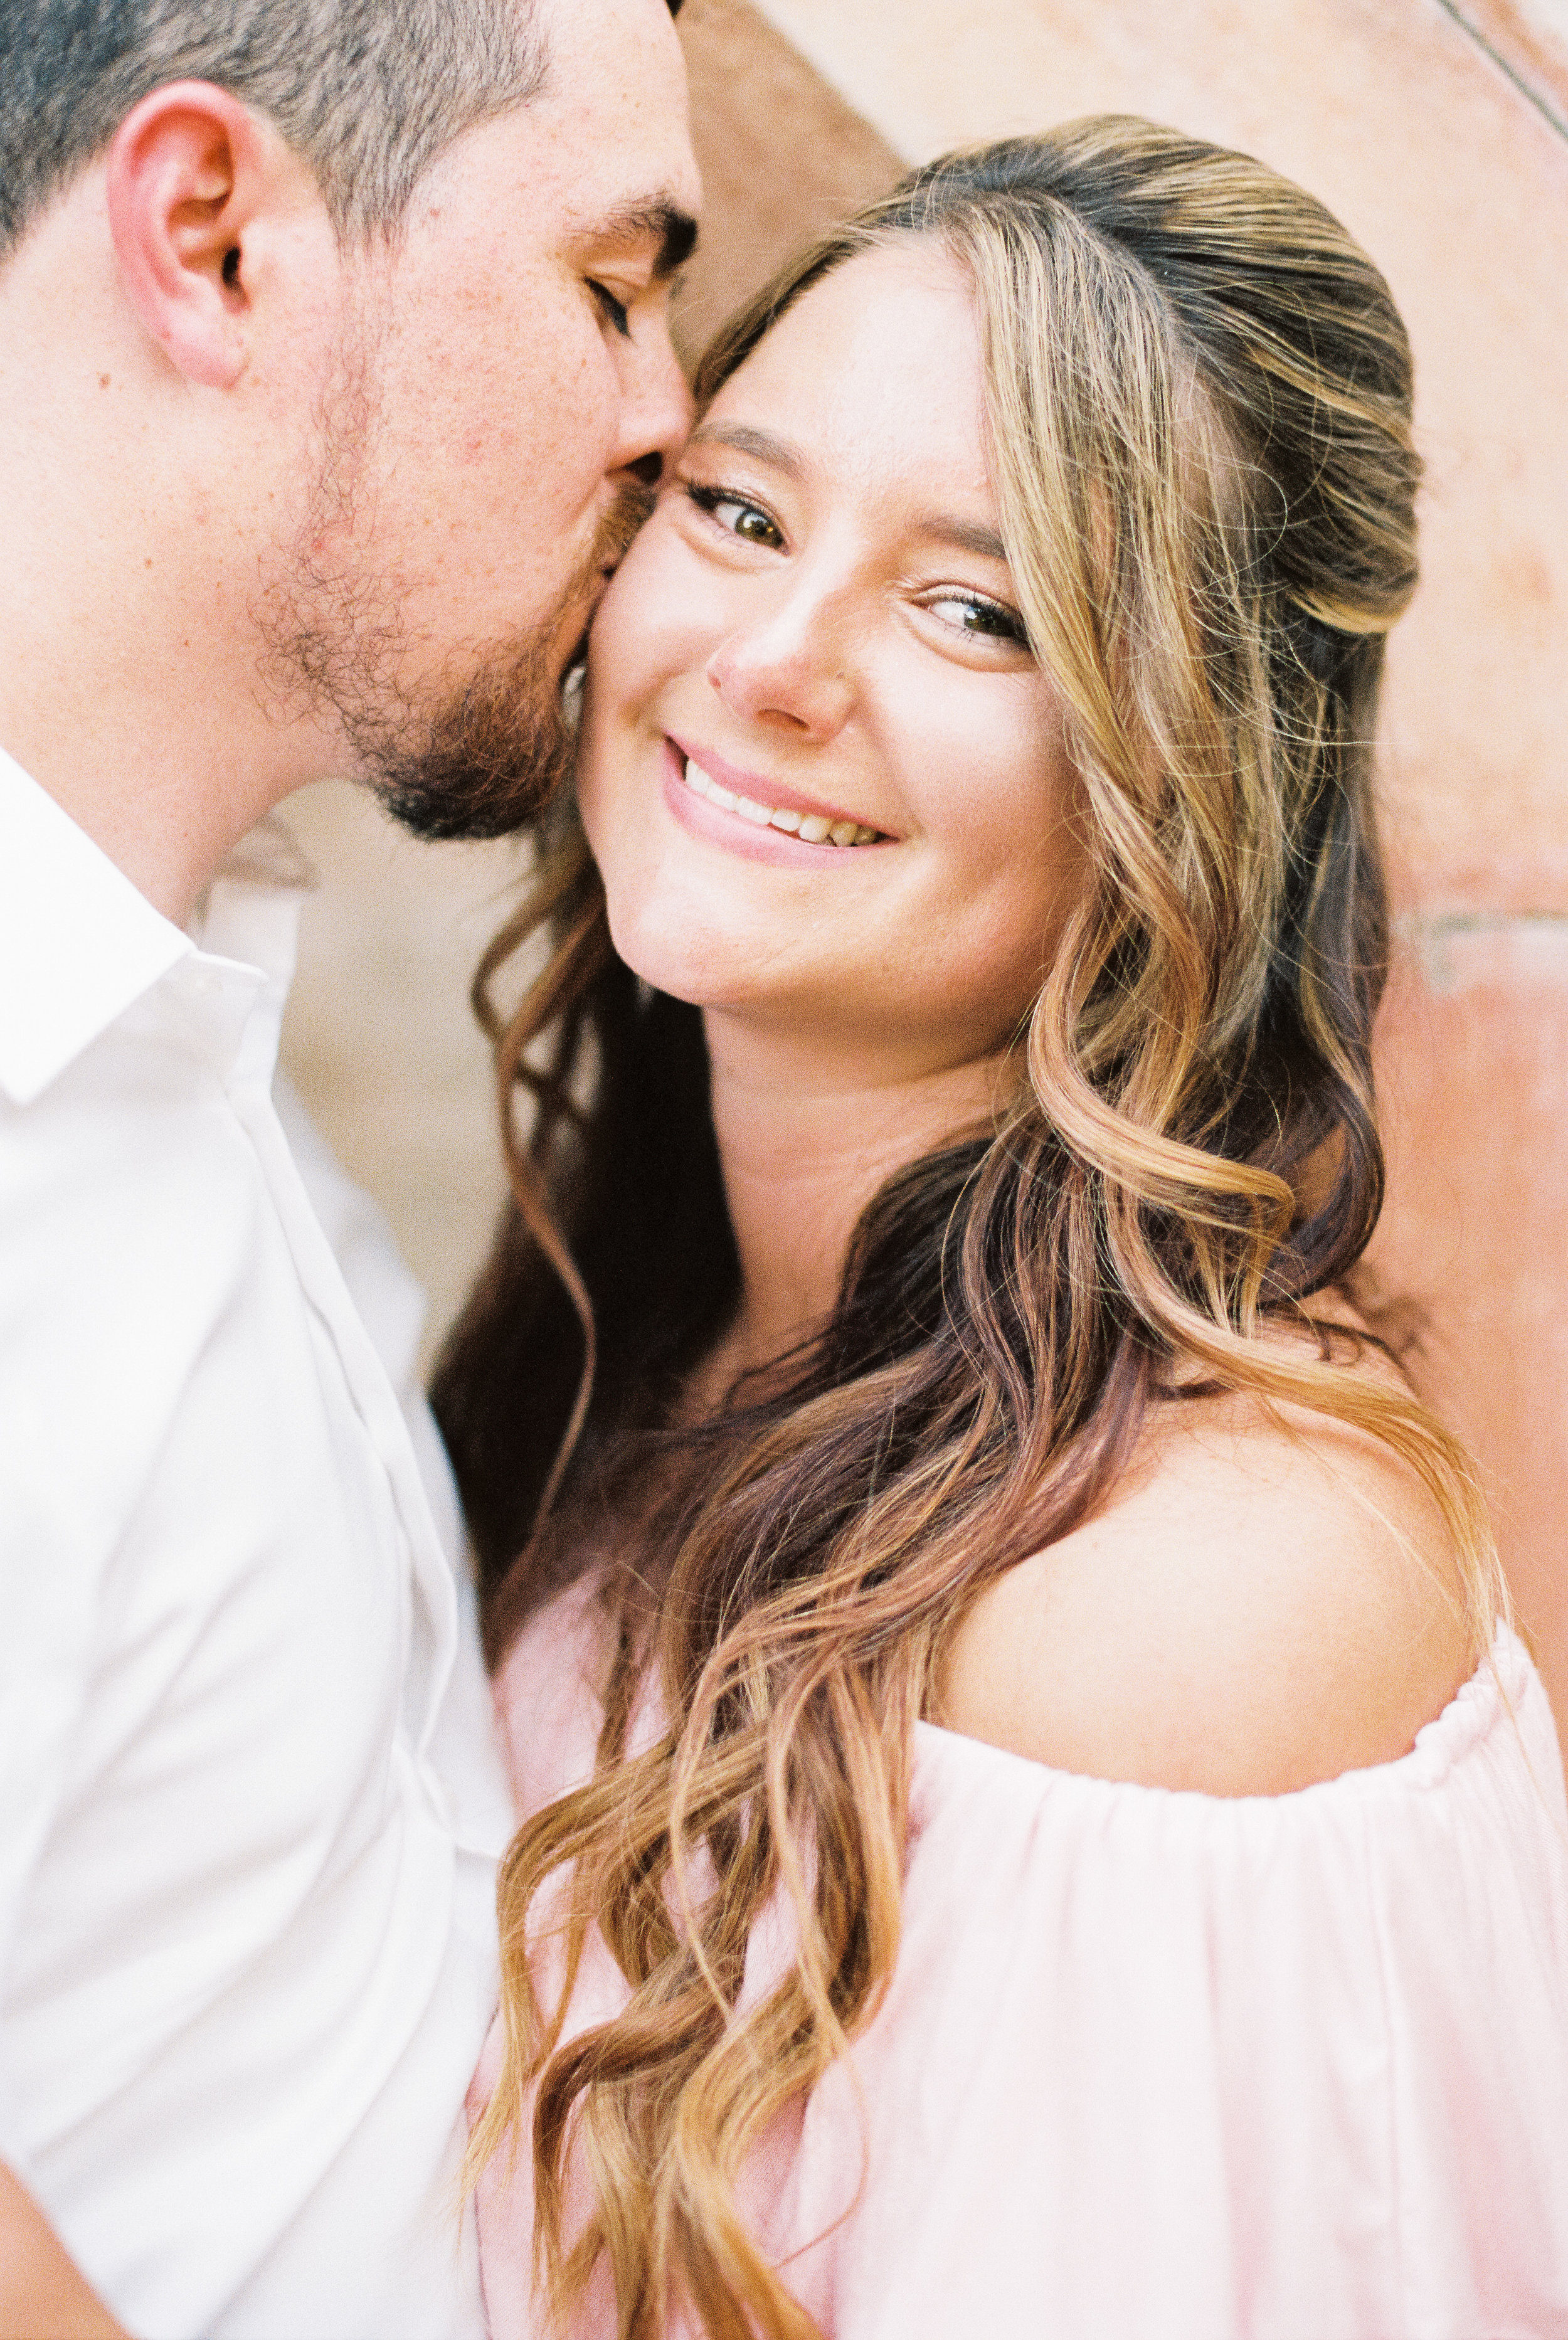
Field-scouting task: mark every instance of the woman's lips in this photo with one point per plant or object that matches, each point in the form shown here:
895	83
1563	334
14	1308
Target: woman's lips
753	840
766	804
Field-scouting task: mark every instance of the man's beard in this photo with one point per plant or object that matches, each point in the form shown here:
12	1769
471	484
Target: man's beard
480	756
481	761
486	759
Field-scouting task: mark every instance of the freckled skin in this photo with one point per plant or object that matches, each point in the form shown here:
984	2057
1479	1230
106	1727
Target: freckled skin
163	404
502	403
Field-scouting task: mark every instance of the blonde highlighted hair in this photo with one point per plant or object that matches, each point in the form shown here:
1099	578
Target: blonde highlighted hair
1197	391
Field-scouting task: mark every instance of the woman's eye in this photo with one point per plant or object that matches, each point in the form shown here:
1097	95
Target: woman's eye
616	311
746	521
972	614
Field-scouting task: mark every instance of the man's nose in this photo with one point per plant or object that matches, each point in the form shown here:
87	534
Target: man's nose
658	412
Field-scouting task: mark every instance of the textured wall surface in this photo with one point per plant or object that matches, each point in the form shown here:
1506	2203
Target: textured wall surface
782	156
1455	176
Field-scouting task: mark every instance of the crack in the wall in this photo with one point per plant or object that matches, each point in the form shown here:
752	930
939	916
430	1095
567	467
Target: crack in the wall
1546	107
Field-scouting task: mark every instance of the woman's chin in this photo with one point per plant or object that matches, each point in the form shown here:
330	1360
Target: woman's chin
677	953
720	973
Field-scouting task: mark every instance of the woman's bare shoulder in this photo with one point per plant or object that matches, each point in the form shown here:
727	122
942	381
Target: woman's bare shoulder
1267	1601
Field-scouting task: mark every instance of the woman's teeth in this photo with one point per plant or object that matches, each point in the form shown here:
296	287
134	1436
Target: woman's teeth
814	828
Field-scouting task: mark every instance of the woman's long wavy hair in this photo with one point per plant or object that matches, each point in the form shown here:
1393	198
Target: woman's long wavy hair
1197	391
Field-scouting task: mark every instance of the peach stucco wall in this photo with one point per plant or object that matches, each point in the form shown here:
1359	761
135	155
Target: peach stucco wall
1458	184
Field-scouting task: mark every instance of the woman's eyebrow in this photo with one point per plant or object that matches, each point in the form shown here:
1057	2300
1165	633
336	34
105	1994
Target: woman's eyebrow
782	455
968	535
762	446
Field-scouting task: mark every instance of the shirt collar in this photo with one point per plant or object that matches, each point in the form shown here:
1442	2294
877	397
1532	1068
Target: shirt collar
80	945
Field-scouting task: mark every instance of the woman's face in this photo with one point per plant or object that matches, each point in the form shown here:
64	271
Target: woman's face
816	640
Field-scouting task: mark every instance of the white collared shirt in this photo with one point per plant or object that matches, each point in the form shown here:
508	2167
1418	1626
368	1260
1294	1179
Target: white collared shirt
249	1800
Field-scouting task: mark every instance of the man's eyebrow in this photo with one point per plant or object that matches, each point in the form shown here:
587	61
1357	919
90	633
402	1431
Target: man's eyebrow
652	219
762	446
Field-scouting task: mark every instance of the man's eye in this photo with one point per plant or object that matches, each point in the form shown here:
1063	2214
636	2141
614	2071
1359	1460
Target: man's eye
746	521
971	613
616	311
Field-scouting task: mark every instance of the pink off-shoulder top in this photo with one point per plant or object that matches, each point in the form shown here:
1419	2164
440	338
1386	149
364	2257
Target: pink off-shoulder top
1158	2065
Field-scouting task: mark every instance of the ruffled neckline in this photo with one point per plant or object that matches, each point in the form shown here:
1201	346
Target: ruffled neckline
1492	1697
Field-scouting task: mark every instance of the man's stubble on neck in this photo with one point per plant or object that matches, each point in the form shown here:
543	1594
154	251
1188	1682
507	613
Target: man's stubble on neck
478	754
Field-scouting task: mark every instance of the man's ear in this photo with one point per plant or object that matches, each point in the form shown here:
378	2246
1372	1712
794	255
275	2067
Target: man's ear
191	171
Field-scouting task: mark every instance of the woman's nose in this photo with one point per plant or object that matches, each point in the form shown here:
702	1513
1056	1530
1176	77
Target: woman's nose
792	667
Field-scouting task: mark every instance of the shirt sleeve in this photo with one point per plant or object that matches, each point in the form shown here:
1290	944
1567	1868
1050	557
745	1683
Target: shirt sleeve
391	1305
106	1302
47	1587
391	1302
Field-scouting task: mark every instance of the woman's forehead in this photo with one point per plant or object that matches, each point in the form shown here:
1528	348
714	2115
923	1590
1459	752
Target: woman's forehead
876	370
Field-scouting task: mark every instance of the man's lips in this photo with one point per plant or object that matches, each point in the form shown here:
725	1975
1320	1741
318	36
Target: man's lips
758	789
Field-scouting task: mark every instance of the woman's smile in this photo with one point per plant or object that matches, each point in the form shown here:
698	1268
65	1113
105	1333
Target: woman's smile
762	818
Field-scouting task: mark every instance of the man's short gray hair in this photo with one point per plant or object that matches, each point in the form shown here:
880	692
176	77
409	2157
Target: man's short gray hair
368	92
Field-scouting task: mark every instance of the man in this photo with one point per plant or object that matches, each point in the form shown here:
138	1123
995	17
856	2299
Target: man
333	373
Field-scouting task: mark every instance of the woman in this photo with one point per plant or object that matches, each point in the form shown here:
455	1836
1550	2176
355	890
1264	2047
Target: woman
1034	1820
